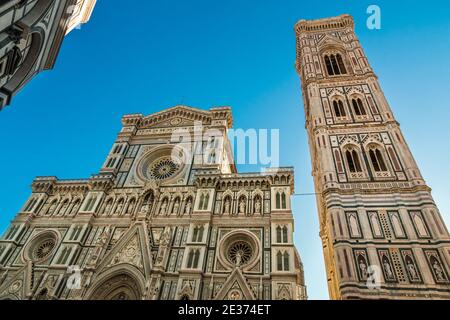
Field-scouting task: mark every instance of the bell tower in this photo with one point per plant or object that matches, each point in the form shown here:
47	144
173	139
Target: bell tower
382	234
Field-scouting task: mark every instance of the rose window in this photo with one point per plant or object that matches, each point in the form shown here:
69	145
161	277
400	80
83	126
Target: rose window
43	249
239	253
163	169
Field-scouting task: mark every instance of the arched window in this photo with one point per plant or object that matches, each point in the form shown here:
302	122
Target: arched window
197	235
279	261
200	234
335	65
202	199
282	261
193	258
278	200
283	200
353	161
286	261
339	109
196	258
328	65
377	160
205	203
190	259
279	236
285	234
341	64
194	234
358	107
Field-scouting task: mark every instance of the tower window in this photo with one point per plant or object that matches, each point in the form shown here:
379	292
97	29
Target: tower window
377	160
335	64
353	161
339	109
358	107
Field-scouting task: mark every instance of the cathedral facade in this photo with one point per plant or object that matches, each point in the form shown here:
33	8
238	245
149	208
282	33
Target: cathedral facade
31	34
167	217
382	234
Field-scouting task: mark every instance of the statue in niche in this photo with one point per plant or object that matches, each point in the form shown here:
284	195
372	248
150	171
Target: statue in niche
412	269
242	205
64	208
130	207
226	206
176	206
438	271
363	267
119	207
188	207
75	207
52	208
388	269
258	205
165	237
238	258
108	207
163	208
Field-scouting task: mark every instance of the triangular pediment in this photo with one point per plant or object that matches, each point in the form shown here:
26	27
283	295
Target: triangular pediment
178	116
132	249
235	288
329	41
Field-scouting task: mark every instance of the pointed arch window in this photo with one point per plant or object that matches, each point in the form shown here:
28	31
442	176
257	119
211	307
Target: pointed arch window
335	64
378	163
204	200
328	65
339	109
282	261
279	261
358	107
278	200
285	234
286	261
341	64
279	236
193	258
197	235
283	200
353	162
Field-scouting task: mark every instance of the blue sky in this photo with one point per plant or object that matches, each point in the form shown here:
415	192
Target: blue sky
156	54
